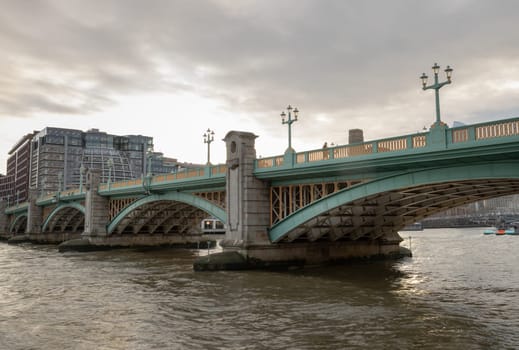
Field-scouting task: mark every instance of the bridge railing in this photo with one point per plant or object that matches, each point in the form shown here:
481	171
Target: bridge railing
22	206
472	133
191	173
68	194
393	144
485	131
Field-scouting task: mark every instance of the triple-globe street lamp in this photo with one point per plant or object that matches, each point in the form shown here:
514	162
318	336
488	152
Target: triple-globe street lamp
208	138
110	166
290	111
436	87
82	170
149	160
60	181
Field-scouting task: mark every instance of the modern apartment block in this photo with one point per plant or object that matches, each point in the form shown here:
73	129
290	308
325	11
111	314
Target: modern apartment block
52	159
14	185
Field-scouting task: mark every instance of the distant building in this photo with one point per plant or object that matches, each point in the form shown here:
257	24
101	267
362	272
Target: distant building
51	159
456	124
14	185
355	136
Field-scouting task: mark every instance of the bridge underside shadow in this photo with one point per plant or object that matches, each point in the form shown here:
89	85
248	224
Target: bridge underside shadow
18	226
173	213
65	222
67	219
161	217
382	207
380	214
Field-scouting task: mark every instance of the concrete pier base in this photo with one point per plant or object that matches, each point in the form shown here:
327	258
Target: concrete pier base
94	243
53	237
18	239
294	255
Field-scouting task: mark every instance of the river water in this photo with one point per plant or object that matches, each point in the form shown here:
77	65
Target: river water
459	291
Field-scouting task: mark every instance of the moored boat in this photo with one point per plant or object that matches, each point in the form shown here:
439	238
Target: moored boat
501	231
212	226
417	226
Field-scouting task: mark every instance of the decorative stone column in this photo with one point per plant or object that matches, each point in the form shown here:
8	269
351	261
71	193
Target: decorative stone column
247	198
437	137
34	213
97	214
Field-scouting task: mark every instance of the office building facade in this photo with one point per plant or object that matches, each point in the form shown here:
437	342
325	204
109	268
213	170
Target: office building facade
53	158
14	185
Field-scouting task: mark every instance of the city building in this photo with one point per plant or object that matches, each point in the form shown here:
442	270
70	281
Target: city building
53	159
14	185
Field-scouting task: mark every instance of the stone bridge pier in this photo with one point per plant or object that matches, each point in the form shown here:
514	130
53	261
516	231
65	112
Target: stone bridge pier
4	234
97	211
248	199
246	244
34	214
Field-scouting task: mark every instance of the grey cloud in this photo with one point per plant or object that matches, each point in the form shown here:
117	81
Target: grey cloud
330	57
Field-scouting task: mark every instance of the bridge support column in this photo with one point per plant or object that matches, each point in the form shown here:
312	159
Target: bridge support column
246	244
247	199
4	222
97	211
34	214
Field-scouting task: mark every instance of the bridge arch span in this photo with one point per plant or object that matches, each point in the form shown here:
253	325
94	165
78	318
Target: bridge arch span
385	205
19	224
66	217
174	212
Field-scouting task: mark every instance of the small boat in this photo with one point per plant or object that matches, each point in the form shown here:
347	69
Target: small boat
417	226
490	231
212	226
501	231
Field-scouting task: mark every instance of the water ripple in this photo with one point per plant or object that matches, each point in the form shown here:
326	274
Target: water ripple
454	293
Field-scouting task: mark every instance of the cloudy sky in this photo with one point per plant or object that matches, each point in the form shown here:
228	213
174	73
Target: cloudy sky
171	69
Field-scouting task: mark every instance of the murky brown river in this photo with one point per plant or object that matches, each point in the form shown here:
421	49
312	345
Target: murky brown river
459	291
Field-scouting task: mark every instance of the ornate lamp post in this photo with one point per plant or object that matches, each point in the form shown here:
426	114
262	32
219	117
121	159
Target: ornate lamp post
208	138
60	181
81	174
289	121
436	87
110	166
42	184
149	155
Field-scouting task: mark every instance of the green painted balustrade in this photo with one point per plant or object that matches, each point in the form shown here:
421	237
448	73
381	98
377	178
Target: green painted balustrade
213	176
462	136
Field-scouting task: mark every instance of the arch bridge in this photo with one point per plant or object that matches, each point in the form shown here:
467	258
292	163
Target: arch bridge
357	195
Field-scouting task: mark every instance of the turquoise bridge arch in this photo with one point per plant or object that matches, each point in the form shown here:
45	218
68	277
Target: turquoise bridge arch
19	223
172	197
61	212
434	190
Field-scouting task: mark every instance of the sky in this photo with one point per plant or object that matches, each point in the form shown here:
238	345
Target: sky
171	69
